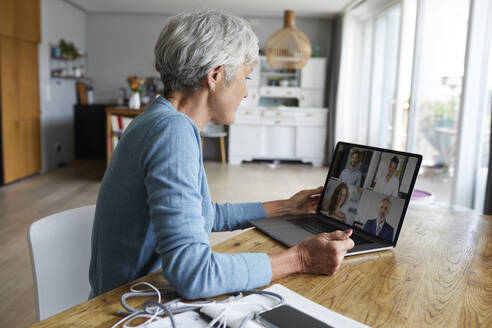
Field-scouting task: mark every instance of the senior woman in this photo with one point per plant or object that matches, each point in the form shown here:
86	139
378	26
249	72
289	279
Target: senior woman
154	209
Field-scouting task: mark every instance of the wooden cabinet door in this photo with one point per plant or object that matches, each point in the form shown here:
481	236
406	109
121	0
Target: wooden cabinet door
19	109
27	80
20	19
27	20
31	146
8	79
21	149
7	17
11	149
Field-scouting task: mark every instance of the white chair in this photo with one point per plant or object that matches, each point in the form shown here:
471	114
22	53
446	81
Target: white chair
60	246
213	130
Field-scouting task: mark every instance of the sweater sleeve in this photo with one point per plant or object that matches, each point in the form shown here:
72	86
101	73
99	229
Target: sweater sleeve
230	217
171	168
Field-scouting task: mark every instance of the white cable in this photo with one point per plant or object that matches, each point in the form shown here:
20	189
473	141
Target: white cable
143	315
221	318
159	298
154	310
130	318
124	319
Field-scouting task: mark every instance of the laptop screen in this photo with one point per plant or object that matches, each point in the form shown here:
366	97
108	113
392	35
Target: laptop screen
369	188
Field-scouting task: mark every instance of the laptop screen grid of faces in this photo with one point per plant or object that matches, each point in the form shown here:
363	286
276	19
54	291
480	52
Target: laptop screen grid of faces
367	189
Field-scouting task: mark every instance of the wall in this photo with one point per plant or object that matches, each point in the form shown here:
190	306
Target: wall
58	20
122	44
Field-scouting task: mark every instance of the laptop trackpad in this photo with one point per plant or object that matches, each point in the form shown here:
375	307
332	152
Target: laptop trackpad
288	234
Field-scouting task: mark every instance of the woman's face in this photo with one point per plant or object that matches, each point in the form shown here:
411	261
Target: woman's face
341	197
226	98
392	169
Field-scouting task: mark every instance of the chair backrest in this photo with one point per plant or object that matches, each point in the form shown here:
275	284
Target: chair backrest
213	130
60	246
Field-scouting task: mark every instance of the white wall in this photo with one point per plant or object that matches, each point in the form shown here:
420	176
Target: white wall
58	20
122	44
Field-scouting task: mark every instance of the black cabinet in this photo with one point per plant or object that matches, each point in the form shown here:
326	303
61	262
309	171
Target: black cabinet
90	131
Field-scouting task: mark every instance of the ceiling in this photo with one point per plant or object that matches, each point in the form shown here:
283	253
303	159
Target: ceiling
255	8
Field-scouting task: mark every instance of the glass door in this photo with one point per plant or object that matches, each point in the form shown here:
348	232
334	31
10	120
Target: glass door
484	153
383	86
438	70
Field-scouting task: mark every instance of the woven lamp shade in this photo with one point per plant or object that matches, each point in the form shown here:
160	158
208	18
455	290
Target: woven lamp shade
288	48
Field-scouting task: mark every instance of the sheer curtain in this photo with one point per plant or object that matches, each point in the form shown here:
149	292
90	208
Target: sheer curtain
332	85
487	207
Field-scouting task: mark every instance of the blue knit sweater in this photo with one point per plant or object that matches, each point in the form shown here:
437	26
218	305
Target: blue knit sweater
154	211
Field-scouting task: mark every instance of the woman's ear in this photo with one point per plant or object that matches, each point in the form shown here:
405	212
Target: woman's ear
214	77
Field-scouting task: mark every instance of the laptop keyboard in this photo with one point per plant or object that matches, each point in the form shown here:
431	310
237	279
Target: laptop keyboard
317	226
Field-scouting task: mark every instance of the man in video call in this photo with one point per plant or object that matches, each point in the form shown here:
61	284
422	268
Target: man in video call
351	175
379	226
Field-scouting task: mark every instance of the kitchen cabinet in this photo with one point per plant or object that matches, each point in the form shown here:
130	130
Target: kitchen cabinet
20	19
283	117
313	75
305	86
90	131
283	133
19	106
19	89
312	98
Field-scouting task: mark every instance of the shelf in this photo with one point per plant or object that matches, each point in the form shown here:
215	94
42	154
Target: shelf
68	59
68	77
267	74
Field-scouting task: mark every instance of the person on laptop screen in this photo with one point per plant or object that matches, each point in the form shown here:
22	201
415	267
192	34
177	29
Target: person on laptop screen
388	184
351	175
154	210
337	200
378	226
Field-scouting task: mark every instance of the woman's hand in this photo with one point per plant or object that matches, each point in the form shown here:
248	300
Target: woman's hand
324	253
320	254
304	202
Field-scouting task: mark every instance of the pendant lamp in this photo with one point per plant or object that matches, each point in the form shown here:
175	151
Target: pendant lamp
288	48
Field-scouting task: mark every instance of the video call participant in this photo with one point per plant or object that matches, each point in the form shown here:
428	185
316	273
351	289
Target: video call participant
379	226
351	175
338	199
388	184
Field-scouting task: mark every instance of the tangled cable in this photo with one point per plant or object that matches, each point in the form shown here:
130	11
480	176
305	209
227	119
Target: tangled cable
154	310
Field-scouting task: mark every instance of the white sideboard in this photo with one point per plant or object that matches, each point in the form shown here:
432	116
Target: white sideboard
281	133
264	129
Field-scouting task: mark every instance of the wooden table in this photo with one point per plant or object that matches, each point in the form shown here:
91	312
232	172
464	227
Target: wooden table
439	275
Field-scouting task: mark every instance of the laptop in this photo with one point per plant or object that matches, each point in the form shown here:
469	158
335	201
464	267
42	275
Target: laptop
367	189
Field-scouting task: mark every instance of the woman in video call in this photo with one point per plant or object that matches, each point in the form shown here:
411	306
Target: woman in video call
338	199
388	184
154	210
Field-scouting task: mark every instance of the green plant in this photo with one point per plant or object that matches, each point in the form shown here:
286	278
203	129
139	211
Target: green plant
68	49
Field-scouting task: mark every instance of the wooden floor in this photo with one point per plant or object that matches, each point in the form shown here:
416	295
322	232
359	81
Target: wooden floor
77	185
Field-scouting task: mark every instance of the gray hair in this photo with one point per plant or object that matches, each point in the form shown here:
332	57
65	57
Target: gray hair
190	45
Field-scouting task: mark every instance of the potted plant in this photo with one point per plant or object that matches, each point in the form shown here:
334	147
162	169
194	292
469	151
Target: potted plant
68	50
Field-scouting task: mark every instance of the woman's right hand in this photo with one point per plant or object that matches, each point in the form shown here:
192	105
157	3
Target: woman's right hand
320	254
323	253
